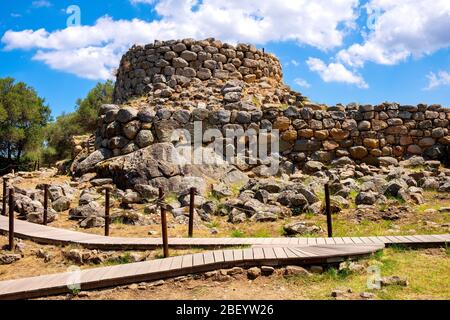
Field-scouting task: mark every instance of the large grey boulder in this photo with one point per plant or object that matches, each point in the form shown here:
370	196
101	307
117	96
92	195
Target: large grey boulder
368	198
38	217
87	210
163	165
394	187
92	222
61	204
88	164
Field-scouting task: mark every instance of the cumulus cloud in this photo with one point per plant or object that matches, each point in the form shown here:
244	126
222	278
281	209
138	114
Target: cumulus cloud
302	83
335	72
93	51
401	29
142	1
442	78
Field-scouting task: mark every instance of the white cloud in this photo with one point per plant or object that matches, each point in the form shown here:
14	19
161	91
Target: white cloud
402	29
302	83
335	72
322	24
295	63
142	1
41	4
442	78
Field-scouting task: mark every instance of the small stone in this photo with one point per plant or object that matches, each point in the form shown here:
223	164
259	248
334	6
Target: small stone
295	271
253	273
157	283
394	281
234	271
83	294
367	295
133	286
337	293
7	258
210	274
267	271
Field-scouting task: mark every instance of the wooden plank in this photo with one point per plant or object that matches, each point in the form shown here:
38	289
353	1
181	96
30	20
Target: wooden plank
366	240
312	241
279	253
176	263
198	260
357	240
258	254
330	241
248	254
218	256
384	239
301	252
375	240
238	255
187	261
228	255
321	241
347	240
269	254
208	258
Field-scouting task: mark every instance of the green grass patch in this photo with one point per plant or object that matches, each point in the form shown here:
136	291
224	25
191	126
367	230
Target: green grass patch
260	233
237	234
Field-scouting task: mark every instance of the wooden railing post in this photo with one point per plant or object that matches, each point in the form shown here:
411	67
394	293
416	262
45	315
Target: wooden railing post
45	218
328	211
11	219
191	212
107	218
5	195
164	224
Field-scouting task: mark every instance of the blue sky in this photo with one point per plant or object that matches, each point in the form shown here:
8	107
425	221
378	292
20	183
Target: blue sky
333	51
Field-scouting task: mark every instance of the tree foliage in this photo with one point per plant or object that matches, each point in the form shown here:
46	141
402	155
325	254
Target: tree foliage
23	116
80	122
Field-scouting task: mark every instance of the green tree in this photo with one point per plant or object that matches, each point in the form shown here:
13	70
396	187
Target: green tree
87	108
82	121
23	116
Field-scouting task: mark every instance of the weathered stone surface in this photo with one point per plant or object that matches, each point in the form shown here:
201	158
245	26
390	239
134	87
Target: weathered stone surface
301	228
61	204
9	258
89	163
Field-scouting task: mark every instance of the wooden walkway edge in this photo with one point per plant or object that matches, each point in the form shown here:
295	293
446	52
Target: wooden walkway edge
104	277
54	236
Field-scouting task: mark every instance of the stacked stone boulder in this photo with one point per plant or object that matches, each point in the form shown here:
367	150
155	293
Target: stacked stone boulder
164	66
170	85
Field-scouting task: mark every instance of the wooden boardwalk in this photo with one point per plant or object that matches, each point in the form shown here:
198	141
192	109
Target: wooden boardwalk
181	265
260	251
54	236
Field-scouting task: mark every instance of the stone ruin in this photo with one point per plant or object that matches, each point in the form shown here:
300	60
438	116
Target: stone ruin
171	85
377	160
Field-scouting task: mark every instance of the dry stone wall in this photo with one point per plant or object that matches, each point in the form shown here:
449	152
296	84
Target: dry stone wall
164	65
363	133
239	87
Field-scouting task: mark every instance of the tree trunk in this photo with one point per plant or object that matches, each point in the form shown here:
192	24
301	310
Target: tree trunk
9	152
19	154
